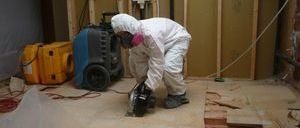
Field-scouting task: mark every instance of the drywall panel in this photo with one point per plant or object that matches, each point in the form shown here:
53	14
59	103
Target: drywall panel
236	37
202	24
266	45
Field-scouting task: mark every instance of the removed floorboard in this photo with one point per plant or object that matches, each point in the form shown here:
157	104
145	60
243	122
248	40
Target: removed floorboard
244	118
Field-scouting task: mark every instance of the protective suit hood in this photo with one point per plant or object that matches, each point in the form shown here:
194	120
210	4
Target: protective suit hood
124	22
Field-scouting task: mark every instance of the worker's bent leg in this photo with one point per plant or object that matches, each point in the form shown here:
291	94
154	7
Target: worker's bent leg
174	83
173	77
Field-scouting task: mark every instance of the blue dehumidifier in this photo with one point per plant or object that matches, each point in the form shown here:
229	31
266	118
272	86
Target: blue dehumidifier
97	56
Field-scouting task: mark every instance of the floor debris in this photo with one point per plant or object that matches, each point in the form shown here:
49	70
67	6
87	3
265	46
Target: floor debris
248	104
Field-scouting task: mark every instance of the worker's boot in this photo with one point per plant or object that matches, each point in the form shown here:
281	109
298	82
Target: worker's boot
173	101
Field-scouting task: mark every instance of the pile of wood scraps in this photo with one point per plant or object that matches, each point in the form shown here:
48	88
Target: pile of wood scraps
229	108
294	118
294	114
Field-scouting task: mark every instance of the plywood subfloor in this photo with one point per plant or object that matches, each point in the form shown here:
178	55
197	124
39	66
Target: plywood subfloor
109	109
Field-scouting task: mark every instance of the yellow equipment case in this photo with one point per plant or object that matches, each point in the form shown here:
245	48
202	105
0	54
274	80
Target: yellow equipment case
55	63
30	63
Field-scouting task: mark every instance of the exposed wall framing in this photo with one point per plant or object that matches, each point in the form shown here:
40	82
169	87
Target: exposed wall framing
185	6
219	38
72	19
121	8
266	45
154	8
92	11
222	30
288	25
213	30
254	36
236	37
130	11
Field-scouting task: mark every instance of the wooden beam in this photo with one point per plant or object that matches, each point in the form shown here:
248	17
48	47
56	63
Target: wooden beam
121	6
215	118
254	36
92	11
185	6
219	39
154	8
130	7
185	13
72	19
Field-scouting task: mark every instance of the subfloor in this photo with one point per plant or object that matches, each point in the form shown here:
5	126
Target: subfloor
108	110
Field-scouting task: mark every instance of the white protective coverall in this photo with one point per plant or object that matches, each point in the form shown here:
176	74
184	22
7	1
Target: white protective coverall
160	56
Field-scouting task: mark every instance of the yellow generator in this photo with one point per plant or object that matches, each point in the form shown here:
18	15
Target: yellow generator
52	63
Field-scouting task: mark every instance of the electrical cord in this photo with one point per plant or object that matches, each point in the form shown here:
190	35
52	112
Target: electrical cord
30	62
8	105
116	91
10	100
119	92
254	42
90	94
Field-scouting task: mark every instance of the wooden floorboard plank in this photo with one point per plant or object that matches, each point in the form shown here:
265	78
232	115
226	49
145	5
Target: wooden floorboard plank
244	117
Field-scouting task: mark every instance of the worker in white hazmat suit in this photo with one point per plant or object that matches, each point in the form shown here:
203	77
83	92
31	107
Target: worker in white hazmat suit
157	50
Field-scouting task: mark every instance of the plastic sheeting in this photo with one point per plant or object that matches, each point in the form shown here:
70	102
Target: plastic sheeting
37	110
20	24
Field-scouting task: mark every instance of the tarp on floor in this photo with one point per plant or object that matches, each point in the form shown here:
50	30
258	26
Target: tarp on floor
37	110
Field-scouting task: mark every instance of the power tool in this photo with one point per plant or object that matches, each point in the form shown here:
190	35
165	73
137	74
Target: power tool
140	99
97	56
